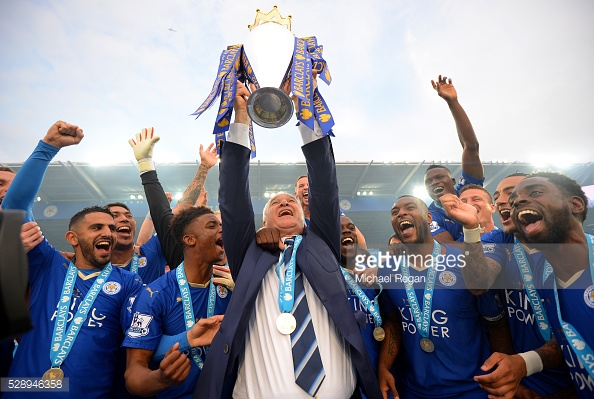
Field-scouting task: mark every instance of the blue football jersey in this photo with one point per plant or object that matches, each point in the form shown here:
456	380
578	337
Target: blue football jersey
577	308
456	329
158	311
151	262
523	323
367	328
91	364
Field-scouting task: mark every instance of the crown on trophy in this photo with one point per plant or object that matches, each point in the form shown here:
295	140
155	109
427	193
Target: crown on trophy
273	15
279	64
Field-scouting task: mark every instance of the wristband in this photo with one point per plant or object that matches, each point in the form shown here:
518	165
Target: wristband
472	236
145	165
148	216
533	362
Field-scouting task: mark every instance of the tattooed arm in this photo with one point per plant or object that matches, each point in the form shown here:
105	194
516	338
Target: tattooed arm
389	348
479	273
208	158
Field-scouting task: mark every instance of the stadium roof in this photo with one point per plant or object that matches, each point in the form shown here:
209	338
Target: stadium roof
367	190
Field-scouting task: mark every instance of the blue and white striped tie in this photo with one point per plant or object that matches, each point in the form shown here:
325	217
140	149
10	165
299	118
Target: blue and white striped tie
309	371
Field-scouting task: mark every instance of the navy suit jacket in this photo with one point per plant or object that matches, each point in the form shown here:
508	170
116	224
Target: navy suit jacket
316	257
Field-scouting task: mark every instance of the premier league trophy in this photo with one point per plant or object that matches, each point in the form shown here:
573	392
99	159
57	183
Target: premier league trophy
276	57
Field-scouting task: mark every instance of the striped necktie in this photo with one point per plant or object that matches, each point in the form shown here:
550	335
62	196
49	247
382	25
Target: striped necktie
307	363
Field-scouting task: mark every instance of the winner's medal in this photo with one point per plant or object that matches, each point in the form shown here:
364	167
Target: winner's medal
54	373
379	334
422	316
427	345
286	323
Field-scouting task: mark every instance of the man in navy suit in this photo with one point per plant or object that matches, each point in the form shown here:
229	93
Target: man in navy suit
251	356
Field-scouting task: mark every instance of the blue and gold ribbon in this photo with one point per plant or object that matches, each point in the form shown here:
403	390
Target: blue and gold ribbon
301	82
233	65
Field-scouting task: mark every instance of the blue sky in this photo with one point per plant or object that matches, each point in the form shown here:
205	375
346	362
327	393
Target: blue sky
522	71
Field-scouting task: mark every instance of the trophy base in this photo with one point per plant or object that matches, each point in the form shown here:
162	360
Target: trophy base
270	107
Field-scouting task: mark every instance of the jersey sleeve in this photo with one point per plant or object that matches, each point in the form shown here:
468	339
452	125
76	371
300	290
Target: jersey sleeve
23	190
490	306
467	179
133	289
145	328
437	224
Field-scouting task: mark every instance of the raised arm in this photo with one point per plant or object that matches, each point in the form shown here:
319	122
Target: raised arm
23	190
235	200
479	272
143	145
208	158
471	161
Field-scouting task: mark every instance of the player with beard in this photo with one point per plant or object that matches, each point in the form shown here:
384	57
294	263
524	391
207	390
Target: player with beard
79	308
438	179
435	346
533	343
548	210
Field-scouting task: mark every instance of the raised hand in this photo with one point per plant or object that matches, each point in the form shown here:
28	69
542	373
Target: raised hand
444	88
143	148
463	213
31	235
62	134
240	104
208	157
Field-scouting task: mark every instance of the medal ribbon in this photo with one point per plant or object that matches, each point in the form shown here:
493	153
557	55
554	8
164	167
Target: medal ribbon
535	301
422	318
286	287
189	316
63	343
372	306
134	265
581	348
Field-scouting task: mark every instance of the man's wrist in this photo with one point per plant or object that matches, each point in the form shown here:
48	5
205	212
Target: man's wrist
472	235
241	117
533	362
146	164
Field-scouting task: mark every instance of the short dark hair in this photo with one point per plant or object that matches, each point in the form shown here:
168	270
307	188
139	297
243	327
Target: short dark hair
435	166
120	204
566	184
184	218
84	212
477	187
6	169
